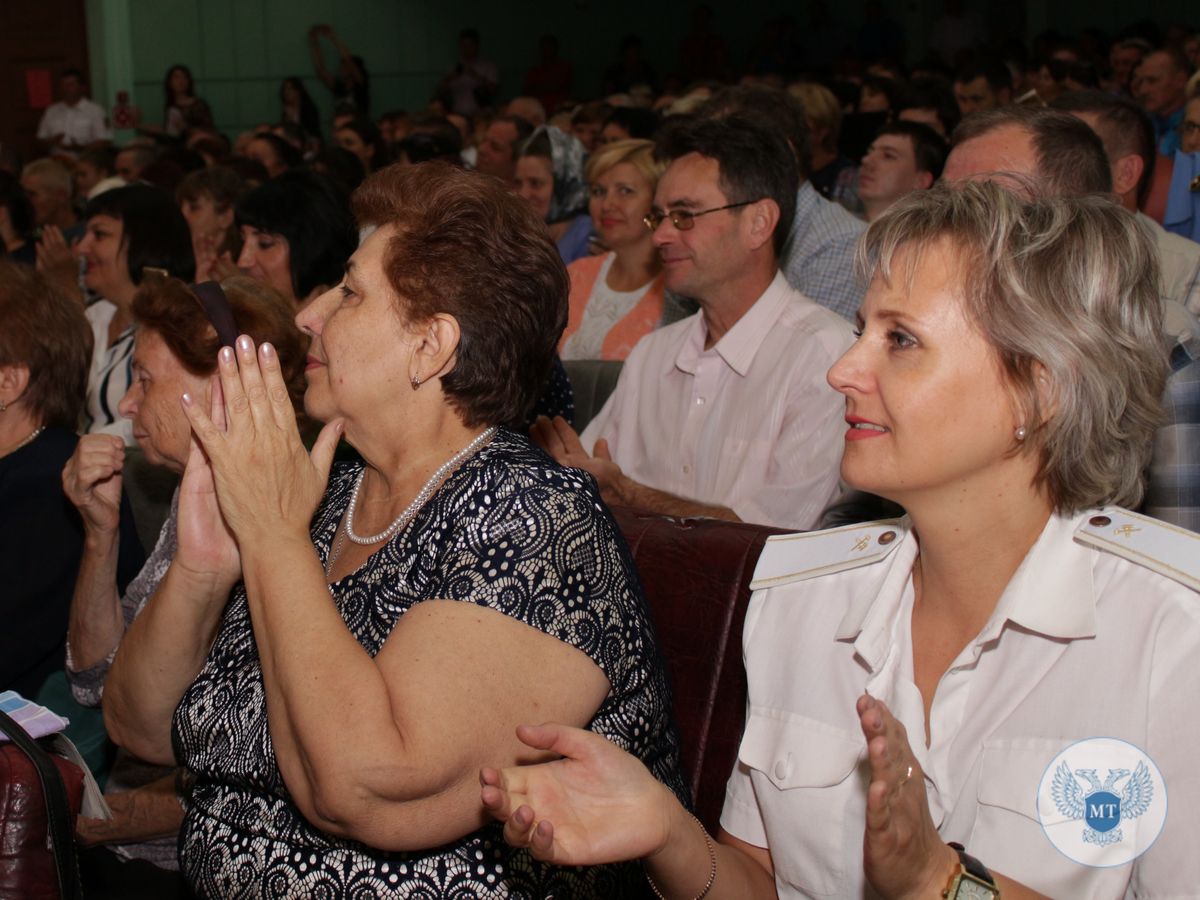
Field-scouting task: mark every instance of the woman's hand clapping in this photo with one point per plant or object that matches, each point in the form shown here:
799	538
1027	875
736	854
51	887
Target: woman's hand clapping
903	854
266	482
596	805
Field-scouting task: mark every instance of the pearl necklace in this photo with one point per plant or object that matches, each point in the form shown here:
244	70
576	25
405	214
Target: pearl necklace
418	501
29	440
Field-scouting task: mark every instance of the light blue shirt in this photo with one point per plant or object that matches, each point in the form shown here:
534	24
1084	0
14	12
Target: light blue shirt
818	258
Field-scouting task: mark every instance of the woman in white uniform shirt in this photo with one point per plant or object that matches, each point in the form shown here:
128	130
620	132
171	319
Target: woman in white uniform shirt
1004	386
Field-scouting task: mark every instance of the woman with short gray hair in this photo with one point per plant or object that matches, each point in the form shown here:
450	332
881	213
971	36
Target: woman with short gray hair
997	669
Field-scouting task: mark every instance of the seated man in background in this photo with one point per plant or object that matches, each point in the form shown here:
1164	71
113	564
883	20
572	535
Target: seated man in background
1127	133
818	246
981	86
904	157
1057	157
48	185
726	413
74	123
497	154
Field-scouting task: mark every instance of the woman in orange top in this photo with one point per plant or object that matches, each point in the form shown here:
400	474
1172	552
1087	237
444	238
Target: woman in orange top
617	297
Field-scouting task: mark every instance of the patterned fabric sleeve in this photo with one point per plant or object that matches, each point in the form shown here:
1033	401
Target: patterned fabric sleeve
533	552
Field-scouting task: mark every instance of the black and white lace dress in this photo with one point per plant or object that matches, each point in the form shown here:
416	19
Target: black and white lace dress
510	530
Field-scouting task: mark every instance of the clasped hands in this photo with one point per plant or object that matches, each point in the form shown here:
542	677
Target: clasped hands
598	804
266	483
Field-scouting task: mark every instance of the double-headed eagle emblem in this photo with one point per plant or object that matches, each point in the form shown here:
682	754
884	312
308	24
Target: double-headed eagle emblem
1100	805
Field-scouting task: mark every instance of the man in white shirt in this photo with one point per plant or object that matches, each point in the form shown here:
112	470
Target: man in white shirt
74	122
726	413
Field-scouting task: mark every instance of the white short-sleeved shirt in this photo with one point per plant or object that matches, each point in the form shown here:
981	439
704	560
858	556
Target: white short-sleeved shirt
749	423
81	124
1083	644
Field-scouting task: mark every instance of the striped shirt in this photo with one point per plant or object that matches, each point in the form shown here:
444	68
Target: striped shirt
110	375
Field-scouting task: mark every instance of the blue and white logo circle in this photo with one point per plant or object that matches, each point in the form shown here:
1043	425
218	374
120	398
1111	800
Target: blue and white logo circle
1102	802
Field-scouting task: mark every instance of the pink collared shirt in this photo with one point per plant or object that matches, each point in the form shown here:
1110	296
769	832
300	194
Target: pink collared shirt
749	423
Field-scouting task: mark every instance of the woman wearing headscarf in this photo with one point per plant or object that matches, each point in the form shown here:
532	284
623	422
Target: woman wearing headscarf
550	176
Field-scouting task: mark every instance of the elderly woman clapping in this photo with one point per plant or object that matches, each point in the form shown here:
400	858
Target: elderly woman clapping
179	329
397	618
1004	668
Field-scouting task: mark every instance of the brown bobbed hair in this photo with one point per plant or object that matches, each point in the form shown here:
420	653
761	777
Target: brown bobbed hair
466	246
47	332
168	307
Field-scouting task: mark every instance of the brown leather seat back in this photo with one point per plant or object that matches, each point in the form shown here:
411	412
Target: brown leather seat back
696	575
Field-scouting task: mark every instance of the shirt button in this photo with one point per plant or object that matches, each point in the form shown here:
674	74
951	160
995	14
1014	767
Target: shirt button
686	469
782	769
699	401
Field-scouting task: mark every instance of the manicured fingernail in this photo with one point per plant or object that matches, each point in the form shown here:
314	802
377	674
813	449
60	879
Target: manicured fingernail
245	344
187	399
267	351
226	354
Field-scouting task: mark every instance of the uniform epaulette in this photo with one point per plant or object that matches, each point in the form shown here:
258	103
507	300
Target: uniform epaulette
795	557
1165	548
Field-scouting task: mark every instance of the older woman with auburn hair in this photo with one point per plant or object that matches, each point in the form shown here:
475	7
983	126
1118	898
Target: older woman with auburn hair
390	623
45	351
179	331
1008	667
618	297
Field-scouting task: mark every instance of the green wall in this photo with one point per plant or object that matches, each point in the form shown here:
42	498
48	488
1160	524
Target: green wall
239	50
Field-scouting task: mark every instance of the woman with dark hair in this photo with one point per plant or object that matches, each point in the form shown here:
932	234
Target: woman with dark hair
297	234
129	230
550	177
179	330
297	106
45	348
182	109
364	140
16	220
391	621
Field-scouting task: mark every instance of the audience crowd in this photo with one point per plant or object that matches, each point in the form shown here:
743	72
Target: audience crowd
828	286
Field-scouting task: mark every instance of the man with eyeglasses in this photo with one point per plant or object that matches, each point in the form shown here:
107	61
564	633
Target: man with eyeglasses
818	253
727	413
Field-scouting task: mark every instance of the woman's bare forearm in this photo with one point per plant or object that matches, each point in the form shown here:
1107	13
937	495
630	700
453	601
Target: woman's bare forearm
96	623
158	659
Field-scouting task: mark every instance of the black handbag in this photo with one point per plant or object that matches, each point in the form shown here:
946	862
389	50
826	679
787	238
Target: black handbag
40	794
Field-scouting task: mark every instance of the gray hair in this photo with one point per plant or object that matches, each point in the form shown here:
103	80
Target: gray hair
1066	292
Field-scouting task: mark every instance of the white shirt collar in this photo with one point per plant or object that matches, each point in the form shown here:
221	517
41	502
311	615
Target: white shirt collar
740	343
1051	593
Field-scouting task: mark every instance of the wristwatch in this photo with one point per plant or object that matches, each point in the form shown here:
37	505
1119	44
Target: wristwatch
972	881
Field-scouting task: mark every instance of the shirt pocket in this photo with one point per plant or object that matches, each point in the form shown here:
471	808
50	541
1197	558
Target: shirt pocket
807	783
1007	834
